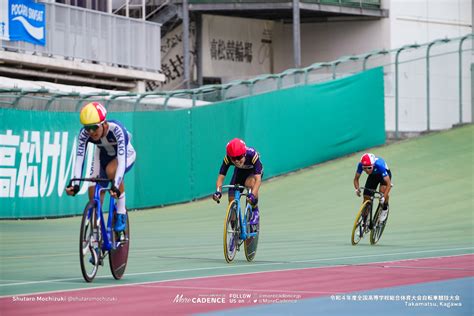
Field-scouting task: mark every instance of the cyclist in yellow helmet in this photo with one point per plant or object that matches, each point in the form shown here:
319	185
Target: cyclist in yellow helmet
114	155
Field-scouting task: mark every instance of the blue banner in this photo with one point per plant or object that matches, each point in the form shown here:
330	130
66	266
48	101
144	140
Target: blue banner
27	21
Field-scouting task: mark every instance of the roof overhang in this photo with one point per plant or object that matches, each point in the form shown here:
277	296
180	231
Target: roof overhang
24	65
283	11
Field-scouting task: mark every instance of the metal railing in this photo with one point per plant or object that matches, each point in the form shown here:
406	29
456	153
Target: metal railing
75	33
427	86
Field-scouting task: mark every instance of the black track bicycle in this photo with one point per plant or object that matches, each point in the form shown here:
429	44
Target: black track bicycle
366	221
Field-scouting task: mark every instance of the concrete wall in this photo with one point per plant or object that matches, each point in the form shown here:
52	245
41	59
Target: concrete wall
328	41
422	21
426	20
410	21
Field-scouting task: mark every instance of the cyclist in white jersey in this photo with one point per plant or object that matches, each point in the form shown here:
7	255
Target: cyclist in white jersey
113	156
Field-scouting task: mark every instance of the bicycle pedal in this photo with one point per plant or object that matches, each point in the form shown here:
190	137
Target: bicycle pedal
239	243
122	236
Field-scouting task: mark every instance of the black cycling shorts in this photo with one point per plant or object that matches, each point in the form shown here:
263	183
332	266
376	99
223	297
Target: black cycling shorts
373	180
239	177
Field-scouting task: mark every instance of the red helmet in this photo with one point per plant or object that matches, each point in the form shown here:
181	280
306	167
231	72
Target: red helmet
236	148
367	159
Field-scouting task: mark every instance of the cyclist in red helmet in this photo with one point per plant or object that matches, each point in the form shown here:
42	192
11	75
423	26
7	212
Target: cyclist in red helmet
378	173
248	172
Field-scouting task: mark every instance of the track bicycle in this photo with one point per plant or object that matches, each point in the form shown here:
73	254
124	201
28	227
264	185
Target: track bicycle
365	222
98	239
237	228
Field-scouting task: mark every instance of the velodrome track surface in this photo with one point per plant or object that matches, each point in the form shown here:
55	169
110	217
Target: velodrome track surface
305	262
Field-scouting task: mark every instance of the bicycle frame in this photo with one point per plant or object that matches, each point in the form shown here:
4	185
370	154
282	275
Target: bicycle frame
375	195
107	236
242	218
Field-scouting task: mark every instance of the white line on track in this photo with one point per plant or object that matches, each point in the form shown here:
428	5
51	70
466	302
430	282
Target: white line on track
235	267
154	286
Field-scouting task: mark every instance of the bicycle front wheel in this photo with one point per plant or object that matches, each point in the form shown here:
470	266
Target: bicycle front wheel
377	231
359	223
118	255
251	243
231	232
89	236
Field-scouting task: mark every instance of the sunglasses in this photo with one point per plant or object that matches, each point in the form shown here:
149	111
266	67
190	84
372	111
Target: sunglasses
91	128
367	168
237	158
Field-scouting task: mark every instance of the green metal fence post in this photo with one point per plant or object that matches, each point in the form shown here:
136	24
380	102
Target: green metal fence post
60	95
250	85
428	127
25	92
280	82
224	92
343	60
116	96
460	74
167	98
169	95
397	55
148	94
306	72
366	57
334	65
194	98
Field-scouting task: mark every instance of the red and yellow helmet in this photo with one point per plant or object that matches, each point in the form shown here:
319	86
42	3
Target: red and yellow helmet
93	113
236	148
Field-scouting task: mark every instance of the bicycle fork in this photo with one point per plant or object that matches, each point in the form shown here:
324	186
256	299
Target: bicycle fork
367	220
243	224
95	239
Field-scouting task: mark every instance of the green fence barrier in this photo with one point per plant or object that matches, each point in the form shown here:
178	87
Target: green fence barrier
179	152
299	127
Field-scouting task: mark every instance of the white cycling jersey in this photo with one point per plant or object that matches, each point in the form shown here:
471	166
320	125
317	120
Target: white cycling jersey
115	144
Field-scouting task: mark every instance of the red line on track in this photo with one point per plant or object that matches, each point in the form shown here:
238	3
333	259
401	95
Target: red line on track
169	297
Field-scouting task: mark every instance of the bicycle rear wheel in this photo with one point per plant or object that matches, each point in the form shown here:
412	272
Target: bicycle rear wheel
231	232
358	228
251	243
118	255
89	247
377	231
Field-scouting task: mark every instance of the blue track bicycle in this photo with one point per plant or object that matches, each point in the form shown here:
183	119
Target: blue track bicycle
96	240
237	229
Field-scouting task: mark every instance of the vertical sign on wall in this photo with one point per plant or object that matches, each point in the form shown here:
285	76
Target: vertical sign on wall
172	59
27	21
